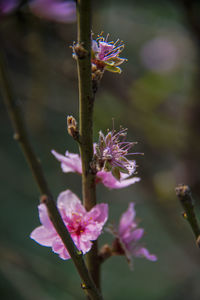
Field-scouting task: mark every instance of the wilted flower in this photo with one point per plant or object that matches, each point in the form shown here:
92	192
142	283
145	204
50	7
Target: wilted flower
71	162
127	237
105	55
111	152
54	10
8	6
83	226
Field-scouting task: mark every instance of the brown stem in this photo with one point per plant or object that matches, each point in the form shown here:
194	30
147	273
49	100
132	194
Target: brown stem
86	101
46	197
184	194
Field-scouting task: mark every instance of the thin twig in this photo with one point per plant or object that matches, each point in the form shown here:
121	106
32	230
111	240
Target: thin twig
86	101
184	194
46	197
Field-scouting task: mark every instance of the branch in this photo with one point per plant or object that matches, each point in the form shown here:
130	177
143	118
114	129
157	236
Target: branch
184	194
46	197
86	101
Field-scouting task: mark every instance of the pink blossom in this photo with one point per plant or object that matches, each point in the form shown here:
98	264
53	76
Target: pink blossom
83	226
71	162
128	236
105	55
54	10
111	153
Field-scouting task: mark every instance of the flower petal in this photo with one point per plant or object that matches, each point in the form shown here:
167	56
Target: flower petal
85	246
44	217
127	218
143	252
59	248
112	183
68	203
92	232
71	162
64	254
57	245
131	237
43	236
99	214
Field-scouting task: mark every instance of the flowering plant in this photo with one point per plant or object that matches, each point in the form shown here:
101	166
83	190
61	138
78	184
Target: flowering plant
71	227
107	161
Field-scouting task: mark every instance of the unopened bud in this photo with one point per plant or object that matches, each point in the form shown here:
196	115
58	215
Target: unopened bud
105	252
72	127
79	51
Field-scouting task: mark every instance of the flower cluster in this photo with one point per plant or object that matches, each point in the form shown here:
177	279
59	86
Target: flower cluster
83	226
113	170
110	166
127	236
71	162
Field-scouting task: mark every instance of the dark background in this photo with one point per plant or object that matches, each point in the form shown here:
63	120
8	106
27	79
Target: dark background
156	97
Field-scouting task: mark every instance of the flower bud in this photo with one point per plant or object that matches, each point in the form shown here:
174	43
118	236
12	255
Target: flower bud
72	127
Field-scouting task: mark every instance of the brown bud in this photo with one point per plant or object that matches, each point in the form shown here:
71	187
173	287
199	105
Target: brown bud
79	51
72	127
105	252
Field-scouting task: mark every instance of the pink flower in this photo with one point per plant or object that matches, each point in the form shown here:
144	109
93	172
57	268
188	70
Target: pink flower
105	55
83	226
111	153
71	162
128	236
54	10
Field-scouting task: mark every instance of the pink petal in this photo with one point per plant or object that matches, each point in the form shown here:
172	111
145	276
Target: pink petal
105	48
143	252
57	245
68	203
44	218
71	162
92	232
43	236
127	218
112	183
59	248
95	49
133	236
64	254
84	246
124	183
99	214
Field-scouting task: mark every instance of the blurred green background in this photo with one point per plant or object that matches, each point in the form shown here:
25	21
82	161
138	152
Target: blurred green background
157	97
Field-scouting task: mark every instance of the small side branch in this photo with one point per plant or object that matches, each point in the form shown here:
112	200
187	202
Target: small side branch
184	194
46	197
